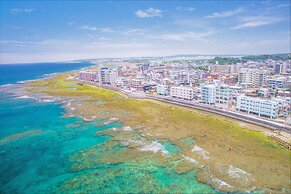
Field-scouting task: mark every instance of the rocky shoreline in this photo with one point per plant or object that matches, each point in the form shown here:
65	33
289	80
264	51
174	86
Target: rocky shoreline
212	169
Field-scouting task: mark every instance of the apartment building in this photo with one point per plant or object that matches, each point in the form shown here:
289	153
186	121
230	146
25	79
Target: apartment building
88	75
259	106
163	90
136	84
280	68
231	69
107	75
186	93
252	77
222	94
278	82
208	94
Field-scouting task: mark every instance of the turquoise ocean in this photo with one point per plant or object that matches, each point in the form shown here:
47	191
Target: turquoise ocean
37	142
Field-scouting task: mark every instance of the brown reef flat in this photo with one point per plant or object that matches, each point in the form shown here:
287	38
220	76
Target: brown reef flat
227	156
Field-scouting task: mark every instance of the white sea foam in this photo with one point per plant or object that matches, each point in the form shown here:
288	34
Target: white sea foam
111	120
236	172
131	141
155	147
239	174
190	159
6	85
220	183
24	97
127	128
201	152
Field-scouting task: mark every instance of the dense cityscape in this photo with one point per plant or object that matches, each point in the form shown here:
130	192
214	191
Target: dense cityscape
250	86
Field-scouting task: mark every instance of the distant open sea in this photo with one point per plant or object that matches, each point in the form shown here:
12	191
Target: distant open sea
13	73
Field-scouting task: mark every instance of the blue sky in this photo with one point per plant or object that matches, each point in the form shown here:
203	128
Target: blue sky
32	31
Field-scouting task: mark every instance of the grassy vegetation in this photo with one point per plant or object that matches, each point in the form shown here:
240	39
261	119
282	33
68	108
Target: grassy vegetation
225	60
203	68
226	142
232	60
265	57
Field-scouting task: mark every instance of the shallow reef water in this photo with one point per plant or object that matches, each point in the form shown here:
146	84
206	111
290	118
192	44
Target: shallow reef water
42	151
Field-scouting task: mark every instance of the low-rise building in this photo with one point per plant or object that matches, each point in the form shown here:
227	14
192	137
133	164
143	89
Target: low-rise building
88	75
182	92
136	84
261	107
263	92
163	90
278	82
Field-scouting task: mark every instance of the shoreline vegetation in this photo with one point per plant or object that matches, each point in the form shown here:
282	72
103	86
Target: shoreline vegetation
230	156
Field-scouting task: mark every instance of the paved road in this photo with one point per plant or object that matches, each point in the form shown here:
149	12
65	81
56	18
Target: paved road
231	114
246	118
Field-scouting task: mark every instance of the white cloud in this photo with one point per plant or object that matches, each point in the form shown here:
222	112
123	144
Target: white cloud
133	31
81	49
15	27
103	39
283	5
13	42
45	42
21	10
251	22
122	46
106	30
225	13
91	28
151	12
267	2
189	9
198	36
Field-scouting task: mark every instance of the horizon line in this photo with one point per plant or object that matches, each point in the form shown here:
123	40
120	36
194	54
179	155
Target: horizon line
176	55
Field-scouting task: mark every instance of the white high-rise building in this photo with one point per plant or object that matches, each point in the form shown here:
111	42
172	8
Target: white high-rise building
208	93
259	106
181	92
113	74
107	75
280	68
103	75
218	93
222	94
163	90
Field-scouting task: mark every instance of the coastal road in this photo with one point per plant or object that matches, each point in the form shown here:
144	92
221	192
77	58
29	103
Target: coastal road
234	115
231	114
